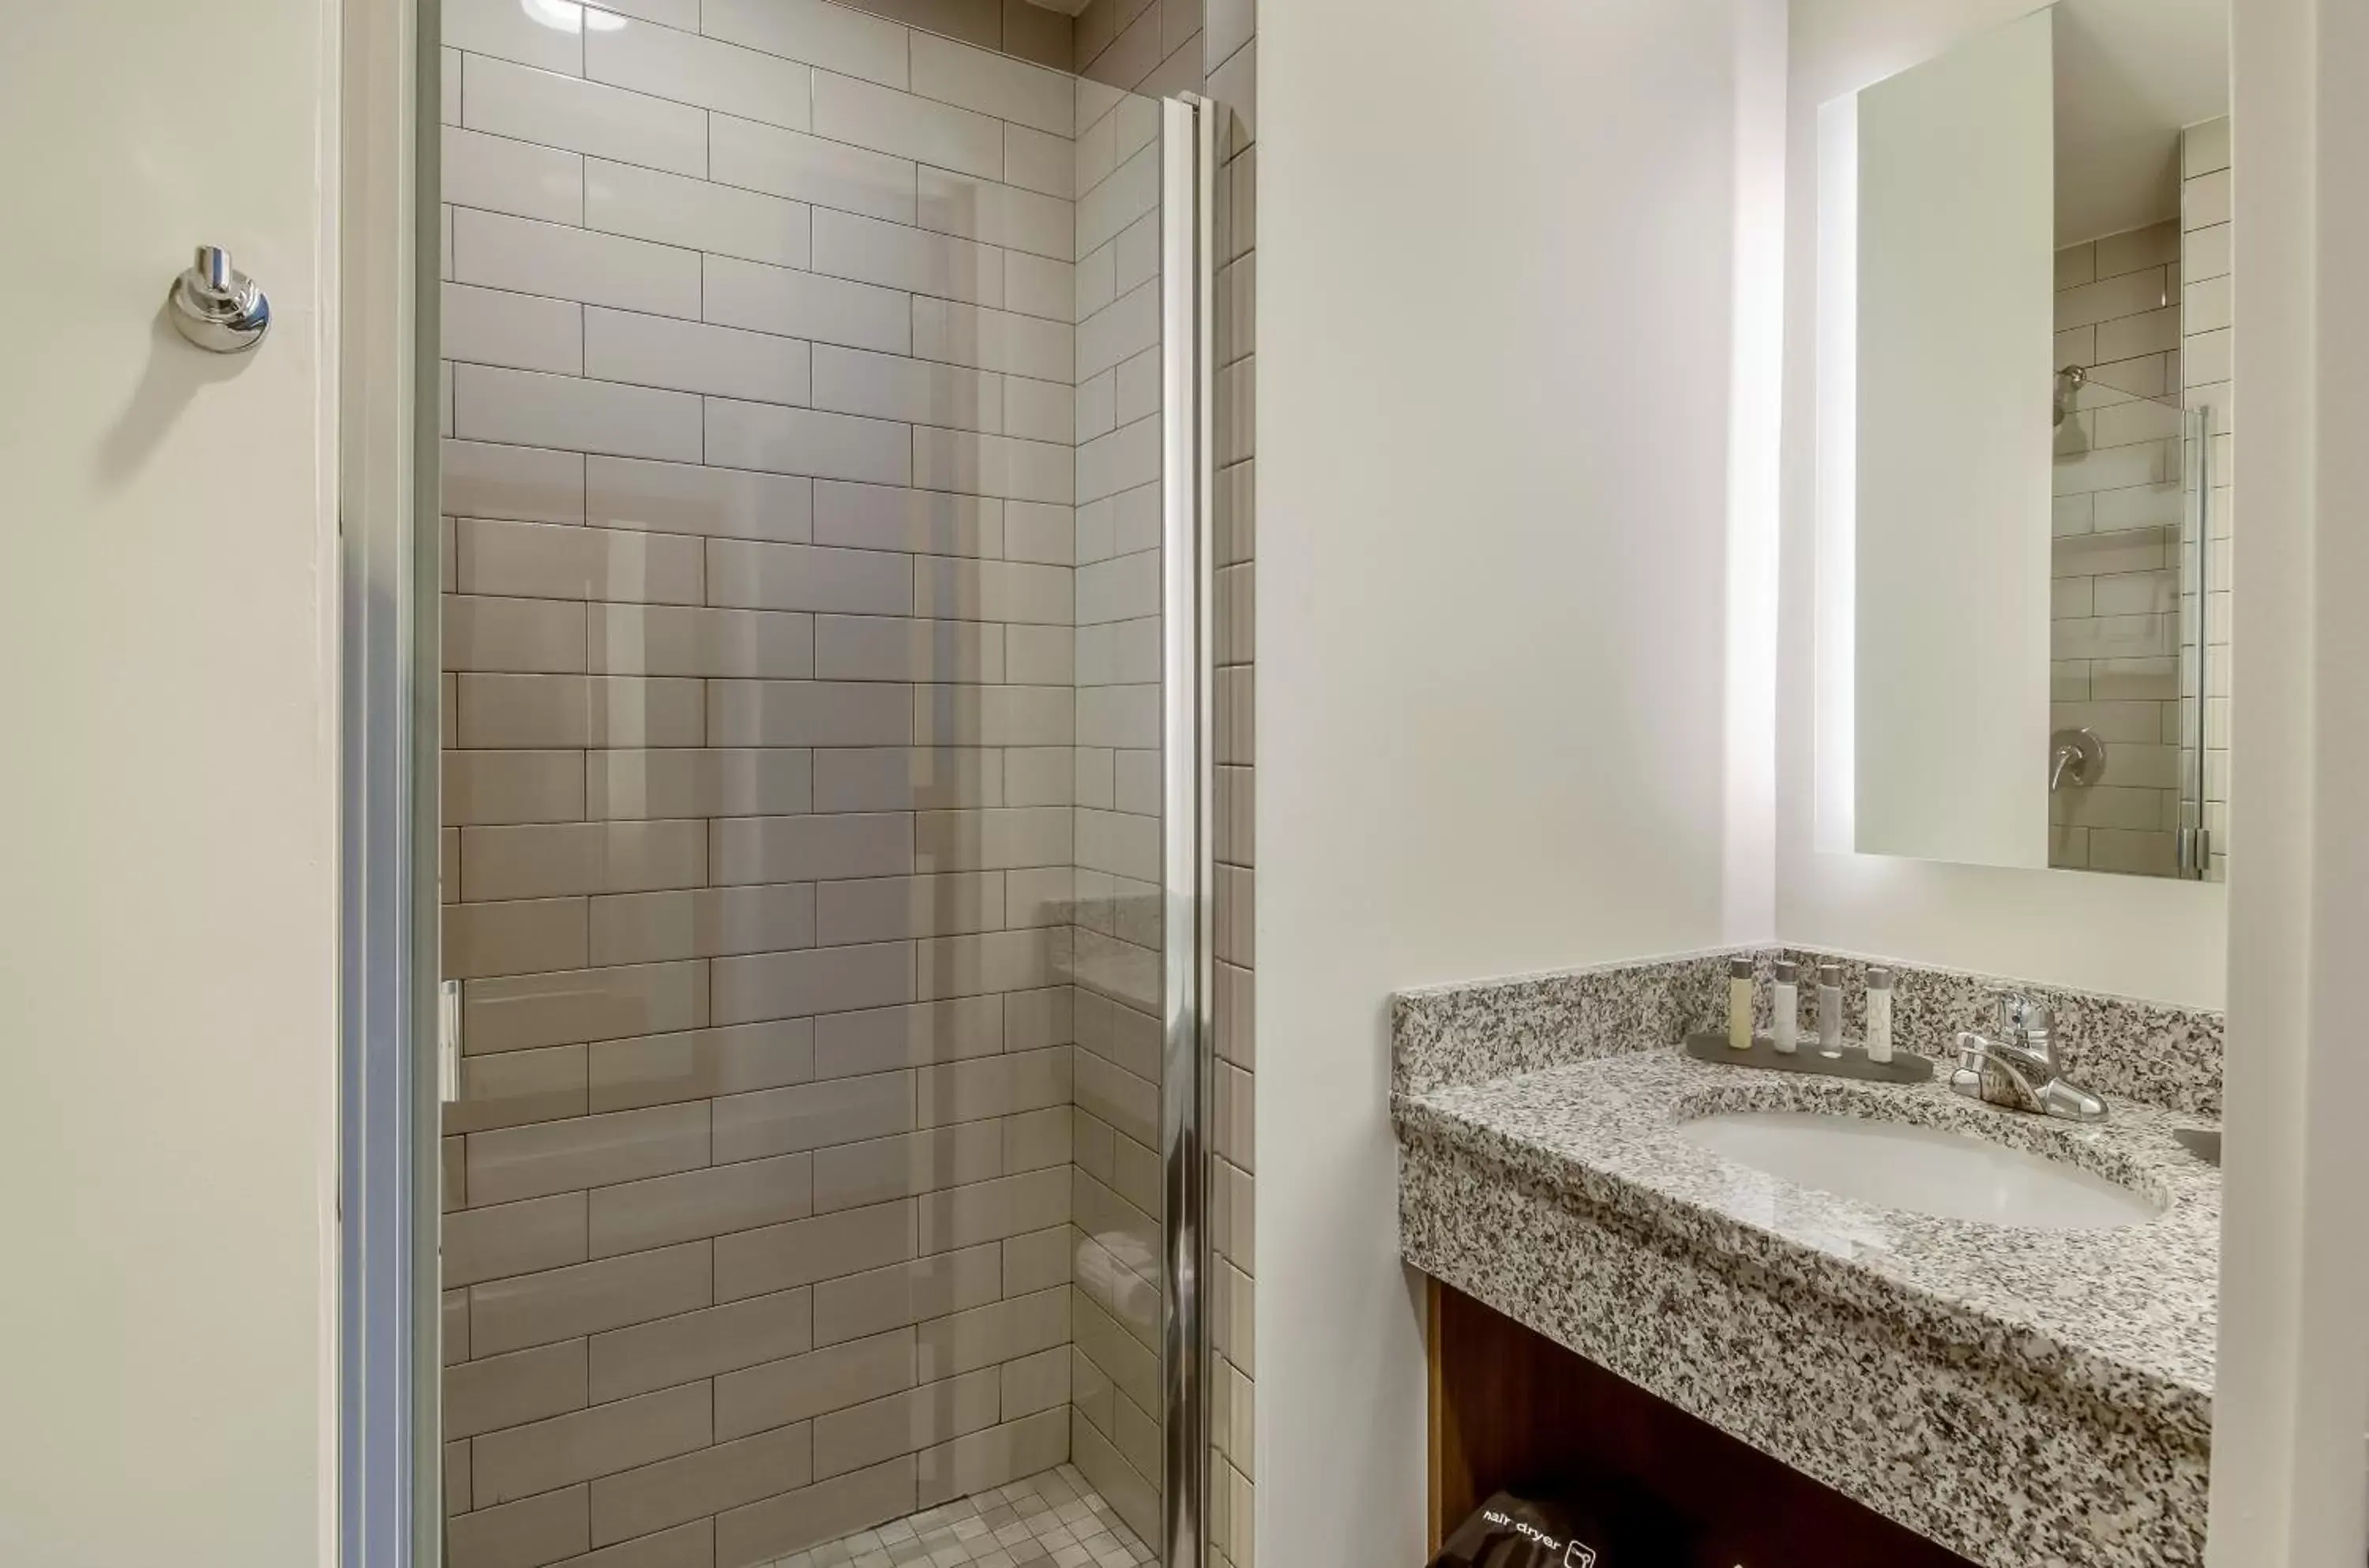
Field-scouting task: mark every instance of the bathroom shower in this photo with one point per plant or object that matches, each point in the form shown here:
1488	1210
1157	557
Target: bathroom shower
2130	653
824	751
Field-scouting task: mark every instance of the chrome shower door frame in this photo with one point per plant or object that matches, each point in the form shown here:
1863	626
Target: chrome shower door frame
1188	208
389	1495
2194	847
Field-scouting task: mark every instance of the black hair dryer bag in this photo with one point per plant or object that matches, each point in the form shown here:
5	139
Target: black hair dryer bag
1567	1531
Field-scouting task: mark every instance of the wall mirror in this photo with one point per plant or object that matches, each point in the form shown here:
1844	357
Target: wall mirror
2041	423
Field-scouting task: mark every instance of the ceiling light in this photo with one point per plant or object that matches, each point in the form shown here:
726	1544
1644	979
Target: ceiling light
566	15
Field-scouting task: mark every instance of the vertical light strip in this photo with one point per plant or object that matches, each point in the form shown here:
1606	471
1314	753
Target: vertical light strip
1834	591
1755	416
1186	880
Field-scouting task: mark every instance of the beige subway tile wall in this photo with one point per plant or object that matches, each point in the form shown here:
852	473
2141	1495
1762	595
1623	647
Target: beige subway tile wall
2147	313
1154	47
2116	554
1116	1198
1231	47
763	831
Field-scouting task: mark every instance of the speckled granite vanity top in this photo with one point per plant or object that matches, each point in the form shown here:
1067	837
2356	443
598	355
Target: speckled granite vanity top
2126	1314
2022	1396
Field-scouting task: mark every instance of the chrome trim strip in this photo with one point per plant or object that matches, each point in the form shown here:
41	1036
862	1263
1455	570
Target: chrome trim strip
2195	844
1187	203
389	1493
1194	1417
426	800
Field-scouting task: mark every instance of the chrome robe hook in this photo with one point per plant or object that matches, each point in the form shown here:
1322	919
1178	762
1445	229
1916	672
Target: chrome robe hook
218	307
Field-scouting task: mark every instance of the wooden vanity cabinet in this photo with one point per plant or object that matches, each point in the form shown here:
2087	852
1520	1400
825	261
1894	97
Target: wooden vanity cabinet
1510	1407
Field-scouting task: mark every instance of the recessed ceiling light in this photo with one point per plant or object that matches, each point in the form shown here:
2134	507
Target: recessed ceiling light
566	15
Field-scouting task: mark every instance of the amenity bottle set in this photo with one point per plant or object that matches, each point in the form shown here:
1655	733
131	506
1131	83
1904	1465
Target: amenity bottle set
1785	1022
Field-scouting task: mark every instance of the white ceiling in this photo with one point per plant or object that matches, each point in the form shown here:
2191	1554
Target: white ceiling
2129	75
1067	7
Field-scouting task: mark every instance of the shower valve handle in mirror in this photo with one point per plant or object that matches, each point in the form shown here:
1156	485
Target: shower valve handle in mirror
2024	1019
218	307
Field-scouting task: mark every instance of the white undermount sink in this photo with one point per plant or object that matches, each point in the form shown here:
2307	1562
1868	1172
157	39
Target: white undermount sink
1921	1170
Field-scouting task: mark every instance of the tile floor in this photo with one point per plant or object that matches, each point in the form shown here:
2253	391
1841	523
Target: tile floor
1052	1519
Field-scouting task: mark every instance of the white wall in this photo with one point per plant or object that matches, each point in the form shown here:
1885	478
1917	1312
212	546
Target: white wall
2140	936
2292	1368
1494	384
167	948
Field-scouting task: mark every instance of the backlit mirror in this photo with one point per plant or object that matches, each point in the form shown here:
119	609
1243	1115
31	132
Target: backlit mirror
2040	473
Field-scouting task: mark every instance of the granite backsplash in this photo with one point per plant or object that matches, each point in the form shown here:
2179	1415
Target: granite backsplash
1475	1033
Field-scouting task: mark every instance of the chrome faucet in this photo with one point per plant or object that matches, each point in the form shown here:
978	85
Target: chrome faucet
2018	1069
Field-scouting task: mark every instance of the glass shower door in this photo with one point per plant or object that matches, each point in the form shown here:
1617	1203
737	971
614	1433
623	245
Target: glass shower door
824	815
2130	650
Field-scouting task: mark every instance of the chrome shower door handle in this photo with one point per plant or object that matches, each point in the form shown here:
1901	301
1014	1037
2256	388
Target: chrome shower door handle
448	1042
216	306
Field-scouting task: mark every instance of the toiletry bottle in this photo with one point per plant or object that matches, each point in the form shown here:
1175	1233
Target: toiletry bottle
1879	1014
1739	1003
1830	1010
1786	1001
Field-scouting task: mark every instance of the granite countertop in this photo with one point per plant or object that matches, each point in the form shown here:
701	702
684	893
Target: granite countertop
2125	1316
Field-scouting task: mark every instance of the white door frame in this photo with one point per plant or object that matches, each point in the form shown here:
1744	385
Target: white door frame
2290	1478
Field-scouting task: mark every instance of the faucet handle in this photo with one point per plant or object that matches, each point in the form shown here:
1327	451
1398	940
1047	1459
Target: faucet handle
2025	1020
